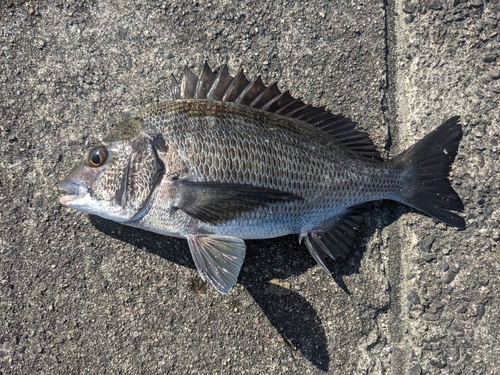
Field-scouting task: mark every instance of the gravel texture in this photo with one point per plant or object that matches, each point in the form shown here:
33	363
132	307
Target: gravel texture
80	294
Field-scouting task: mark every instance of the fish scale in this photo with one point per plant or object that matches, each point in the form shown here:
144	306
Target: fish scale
328	178
228	159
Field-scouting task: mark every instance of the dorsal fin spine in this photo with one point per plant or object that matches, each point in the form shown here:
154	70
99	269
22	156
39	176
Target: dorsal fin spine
246	90
219	86
204	82
256	102
235	86
282	111
174	89
294	112
266	106
251	91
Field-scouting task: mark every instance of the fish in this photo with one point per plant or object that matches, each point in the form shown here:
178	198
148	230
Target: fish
227	159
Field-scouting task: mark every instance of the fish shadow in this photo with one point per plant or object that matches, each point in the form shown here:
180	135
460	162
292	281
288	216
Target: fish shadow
266	263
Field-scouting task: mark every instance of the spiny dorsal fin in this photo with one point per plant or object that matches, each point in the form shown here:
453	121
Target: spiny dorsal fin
254	93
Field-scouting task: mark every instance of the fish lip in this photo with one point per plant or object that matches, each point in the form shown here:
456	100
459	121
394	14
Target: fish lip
75	191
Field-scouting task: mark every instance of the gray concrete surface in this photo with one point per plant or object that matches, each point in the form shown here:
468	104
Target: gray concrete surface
80	294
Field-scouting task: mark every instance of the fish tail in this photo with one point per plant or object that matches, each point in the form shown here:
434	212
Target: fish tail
426	166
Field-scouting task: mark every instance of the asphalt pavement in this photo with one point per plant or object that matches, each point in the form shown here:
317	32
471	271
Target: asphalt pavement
83	295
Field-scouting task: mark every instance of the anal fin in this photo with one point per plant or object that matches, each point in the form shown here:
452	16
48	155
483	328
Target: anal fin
218	258
334	240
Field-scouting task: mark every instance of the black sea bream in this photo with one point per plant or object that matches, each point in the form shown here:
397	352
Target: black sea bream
227	159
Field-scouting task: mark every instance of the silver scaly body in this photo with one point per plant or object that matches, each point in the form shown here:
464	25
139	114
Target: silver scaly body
230	144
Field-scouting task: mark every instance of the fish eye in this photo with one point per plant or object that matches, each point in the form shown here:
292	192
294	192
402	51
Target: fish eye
97	157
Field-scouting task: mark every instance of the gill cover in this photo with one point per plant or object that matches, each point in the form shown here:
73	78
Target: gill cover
144	171
115	181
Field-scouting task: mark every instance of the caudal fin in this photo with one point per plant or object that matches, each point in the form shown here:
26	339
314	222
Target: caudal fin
427	164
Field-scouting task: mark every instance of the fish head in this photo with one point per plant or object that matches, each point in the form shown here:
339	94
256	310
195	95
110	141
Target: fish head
115	180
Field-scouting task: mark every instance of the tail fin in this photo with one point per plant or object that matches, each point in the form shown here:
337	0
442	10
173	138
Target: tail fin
427	165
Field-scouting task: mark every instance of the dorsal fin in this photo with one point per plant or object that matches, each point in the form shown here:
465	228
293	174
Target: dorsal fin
254	93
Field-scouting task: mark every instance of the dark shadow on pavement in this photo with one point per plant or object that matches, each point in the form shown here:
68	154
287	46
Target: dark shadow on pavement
293	317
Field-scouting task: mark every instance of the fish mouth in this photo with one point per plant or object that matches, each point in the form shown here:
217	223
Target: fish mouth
75	191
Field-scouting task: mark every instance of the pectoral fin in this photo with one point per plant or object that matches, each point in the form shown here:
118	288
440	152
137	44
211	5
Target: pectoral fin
218	258
215	202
